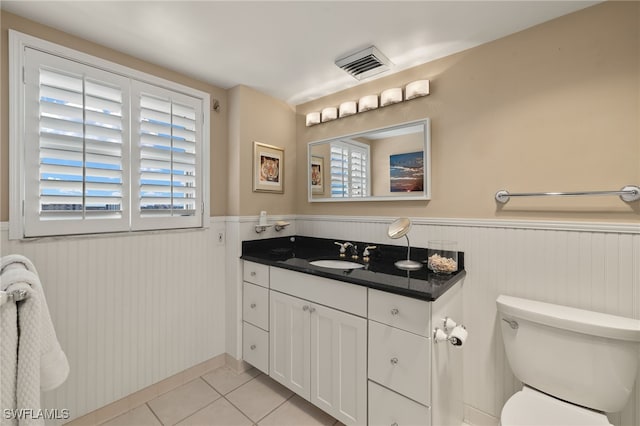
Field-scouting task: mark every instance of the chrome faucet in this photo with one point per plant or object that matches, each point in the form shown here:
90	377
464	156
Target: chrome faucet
366	253
343	248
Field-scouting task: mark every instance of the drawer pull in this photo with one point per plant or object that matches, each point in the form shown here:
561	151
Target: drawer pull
253	306
395	311
253	273
394	361
253	347
305	308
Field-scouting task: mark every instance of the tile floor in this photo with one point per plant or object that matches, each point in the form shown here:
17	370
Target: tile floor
226	398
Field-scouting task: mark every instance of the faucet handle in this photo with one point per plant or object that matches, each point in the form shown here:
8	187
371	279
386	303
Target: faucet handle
366	250
343	247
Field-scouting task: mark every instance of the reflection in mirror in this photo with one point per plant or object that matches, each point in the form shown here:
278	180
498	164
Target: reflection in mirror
392	164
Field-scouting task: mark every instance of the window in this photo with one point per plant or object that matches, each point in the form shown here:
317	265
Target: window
349	169
97	147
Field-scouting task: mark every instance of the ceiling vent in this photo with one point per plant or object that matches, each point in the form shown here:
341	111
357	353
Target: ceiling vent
365	63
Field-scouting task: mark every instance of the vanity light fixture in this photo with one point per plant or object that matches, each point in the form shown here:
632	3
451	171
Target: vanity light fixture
367	103
412	90
313	118
348	108
329	114
416	89
391	96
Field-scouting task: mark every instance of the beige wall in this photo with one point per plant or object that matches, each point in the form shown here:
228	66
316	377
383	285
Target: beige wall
256	117
218	188
552	108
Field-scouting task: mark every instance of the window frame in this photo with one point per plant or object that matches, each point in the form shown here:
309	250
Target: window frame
18	173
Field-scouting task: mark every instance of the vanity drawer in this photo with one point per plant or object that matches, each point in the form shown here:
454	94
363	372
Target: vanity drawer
400	361
255	305
400	311
255	347
256	273
389	408
346	297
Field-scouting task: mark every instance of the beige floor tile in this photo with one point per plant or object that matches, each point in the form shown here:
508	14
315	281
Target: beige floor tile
297	412
259	397
219	413
183	401
140	416
224	379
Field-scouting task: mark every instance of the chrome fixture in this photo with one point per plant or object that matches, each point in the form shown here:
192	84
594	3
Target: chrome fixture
343	248
366	253
400	228
627	194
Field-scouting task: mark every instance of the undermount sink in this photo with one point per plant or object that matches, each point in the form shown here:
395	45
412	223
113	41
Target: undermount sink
337	264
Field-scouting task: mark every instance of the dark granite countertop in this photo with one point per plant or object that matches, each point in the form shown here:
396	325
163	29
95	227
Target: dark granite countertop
295	253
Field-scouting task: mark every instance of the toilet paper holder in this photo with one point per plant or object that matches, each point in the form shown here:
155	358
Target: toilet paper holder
454	333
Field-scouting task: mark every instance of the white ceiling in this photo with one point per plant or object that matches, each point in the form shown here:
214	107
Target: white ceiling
287	49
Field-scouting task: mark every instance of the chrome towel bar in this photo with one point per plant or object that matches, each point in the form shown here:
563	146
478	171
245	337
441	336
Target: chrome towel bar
12	296
627	194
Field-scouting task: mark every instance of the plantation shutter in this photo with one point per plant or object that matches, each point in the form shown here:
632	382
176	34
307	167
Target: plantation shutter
166	189
76	150
359	172
339	168
349	169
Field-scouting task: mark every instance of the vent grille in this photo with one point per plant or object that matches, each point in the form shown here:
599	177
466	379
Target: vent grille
364	63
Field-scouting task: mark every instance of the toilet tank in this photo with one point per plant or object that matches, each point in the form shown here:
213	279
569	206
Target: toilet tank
584	357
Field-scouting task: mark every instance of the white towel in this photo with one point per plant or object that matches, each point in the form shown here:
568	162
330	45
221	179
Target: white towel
41	363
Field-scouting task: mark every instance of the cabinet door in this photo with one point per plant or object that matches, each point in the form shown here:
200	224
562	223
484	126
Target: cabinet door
290	343
339	364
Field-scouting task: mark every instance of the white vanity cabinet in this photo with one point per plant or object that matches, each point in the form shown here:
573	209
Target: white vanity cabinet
318	351
362	355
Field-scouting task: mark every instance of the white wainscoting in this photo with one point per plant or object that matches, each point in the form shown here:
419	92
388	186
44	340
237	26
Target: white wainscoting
130	310
586	265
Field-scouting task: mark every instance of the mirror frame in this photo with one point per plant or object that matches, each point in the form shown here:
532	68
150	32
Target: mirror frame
424	195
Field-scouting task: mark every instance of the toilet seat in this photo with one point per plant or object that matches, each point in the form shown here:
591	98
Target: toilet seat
530	407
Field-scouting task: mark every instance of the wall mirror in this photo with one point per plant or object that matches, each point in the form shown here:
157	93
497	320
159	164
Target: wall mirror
387	164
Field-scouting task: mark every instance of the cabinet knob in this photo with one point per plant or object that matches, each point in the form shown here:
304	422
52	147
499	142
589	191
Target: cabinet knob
253	306
253	347
394	424
312	309
394	361
305	308
253	273
395	311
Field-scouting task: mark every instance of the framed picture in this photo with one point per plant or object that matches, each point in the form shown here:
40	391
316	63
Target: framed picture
268	168
317	175
407	172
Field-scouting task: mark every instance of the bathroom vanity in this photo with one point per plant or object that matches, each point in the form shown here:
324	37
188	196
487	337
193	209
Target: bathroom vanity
357	343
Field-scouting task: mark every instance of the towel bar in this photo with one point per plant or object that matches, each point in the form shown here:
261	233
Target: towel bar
627	194
12	296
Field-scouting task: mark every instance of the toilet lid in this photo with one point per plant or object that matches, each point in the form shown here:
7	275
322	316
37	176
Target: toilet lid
530	407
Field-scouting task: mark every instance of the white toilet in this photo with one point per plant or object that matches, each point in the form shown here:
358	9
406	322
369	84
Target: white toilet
575	365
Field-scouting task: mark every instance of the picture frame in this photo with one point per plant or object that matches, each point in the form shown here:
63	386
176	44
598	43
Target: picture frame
407	172
317	175
268	168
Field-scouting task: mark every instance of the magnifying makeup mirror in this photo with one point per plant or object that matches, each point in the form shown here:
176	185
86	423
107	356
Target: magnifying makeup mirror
398	229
